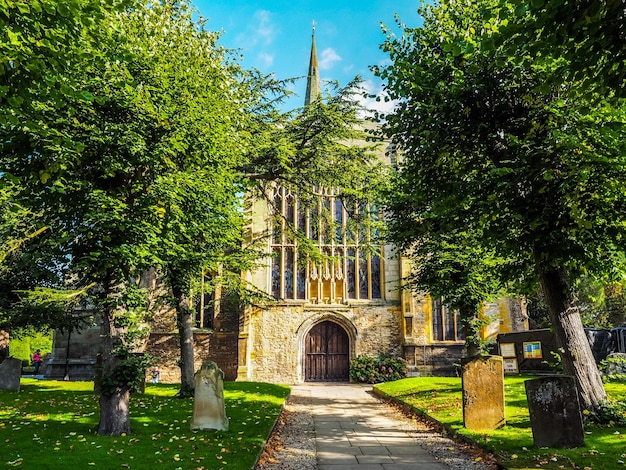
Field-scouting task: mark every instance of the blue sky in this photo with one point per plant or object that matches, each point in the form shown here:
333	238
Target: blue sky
275	36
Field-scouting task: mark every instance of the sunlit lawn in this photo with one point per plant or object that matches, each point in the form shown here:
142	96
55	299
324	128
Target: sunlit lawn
50	425
441	398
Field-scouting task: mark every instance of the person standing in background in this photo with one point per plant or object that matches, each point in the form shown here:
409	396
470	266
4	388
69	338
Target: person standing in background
37	361
156	374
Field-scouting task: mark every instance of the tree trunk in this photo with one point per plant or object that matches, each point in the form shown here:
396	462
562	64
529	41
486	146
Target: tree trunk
577	358
471	329
184	318
115	407
115	413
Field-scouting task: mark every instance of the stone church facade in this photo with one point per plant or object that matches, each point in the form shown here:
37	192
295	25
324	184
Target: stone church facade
324	314
327	313
351	304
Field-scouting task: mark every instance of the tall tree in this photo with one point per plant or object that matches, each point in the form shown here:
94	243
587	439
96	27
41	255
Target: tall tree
589	34
140	120
533	170
202	105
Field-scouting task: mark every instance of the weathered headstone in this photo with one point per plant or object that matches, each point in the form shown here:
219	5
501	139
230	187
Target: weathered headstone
616	364
209	408
483	392
554	410
10	373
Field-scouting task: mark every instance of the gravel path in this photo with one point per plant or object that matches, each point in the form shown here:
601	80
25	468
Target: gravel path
291	445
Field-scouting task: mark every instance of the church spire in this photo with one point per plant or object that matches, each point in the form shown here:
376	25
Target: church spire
313	88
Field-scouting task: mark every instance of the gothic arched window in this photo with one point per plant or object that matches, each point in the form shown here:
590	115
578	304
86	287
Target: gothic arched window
445	322
348	267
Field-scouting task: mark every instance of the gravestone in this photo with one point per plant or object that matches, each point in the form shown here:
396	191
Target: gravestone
616	364
483	392
10	373
209	408
554	411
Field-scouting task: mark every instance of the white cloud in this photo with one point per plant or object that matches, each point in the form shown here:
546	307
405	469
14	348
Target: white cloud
260	31
265	31
328	59
375	99
265	59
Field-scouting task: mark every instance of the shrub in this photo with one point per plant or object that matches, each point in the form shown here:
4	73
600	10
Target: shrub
612	413
611	368
383	368
24	346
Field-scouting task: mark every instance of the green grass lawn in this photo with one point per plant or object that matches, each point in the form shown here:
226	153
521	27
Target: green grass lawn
50	425
440	398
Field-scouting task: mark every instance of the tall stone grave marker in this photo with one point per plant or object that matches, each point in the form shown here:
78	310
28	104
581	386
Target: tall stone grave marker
483	392
554	410
10	374
209	407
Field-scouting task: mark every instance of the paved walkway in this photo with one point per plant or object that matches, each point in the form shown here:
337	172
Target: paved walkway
354	431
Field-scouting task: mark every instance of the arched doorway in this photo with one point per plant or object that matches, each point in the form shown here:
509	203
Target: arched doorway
327	357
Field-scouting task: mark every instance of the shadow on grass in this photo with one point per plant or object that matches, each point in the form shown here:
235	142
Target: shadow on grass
51	424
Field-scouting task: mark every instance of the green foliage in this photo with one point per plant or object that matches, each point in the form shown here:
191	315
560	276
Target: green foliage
497	128
610	366
531	170
131	318
20	349
608	413
383	368
17	223
127	372
555	362
40	42
43	309
137	153
24	346
582	36
50	424
142	133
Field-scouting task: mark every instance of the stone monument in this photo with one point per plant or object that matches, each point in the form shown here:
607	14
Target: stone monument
554	410
10	374
209	408
483	392
616	364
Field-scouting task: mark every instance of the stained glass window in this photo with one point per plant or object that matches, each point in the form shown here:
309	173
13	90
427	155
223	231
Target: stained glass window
344	272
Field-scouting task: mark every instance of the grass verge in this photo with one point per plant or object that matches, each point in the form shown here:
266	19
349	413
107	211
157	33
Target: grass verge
50	425
440	398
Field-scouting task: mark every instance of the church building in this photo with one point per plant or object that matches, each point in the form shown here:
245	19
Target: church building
351	304
325	313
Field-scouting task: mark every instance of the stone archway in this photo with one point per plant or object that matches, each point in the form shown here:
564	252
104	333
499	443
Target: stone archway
327	353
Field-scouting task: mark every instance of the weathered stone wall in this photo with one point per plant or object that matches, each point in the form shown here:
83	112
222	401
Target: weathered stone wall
434	359
219	347
76	358
276	337
420	312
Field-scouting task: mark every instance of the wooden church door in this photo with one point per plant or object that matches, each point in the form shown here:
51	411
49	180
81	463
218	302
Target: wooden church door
327	357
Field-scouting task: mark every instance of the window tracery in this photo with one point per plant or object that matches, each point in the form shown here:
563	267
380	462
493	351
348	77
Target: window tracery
348	267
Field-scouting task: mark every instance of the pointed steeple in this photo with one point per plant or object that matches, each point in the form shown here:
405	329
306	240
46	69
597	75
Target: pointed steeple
313	88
